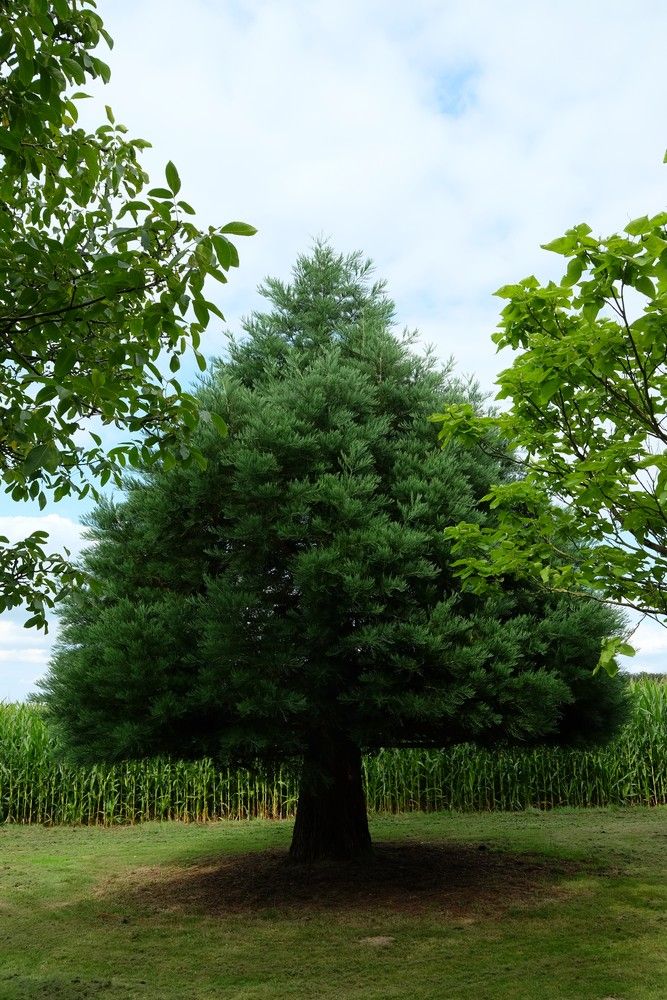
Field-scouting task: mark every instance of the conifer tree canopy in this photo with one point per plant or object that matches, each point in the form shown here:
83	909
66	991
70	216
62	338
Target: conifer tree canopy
296	599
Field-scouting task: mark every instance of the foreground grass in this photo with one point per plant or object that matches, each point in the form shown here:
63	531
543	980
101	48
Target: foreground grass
566	904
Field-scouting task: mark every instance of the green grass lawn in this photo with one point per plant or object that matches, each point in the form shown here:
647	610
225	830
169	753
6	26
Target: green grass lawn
524	906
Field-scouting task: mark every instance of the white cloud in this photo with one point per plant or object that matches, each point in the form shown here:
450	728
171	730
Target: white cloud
310	118
63	532
24	654
649	640
12	634
33	654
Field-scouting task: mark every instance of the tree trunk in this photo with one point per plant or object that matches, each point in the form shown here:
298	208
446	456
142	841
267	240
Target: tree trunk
331	820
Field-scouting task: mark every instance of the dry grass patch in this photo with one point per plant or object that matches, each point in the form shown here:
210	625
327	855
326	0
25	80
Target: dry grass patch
454	880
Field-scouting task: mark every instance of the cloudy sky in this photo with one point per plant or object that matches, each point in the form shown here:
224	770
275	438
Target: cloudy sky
447	140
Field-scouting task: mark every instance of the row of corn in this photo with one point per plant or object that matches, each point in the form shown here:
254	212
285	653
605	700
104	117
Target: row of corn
36	787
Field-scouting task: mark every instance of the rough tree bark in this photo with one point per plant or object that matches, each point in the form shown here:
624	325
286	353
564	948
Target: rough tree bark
331	820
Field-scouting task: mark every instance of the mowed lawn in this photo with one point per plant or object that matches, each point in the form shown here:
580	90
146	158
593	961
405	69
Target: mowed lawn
523	906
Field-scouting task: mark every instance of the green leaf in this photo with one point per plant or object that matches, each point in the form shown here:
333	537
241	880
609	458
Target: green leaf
508	291
644	285
574	271
201	311
46	393
223	251
238	229
38	458
639	226
6	42
219	423
214	309
9	141
36	621
217	274
562	245
65	362
173	180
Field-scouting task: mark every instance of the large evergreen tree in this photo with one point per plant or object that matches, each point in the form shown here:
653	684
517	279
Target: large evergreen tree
296	598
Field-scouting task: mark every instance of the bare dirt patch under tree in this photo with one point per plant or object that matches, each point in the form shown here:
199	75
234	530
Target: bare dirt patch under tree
459	880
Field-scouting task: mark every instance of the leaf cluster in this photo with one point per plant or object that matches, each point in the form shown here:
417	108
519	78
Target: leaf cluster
588	394
102	278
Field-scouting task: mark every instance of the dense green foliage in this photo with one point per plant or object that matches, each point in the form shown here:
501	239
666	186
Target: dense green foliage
300	589
588	395
296	597
101	278
37	787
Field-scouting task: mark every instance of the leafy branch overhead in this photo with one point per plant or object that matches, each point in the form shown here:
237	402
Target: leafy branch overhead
101	278
588	394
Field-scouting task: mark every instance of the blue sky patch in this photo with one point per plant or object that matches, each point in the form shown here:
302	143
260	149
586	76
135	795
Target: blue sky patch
455	91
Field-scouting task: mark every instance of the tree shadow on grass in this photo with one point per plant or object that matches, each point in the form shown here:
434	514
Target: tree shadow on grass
408	878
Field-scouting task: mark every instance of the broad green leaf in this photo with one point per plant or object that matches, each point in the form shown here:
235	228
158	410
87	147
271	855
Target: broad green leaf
219	423
9	141
201	311
644	285
639	226
38	457
238	229
562	245
65	362
173	180
574	271
35	621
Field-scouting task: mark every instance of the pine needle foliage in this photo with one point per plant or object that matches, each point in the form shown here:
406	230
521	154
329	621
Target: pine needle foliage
295	599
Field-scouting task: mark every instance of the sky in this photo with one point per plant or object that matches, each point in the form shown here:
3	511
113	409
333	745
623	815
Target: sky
445	140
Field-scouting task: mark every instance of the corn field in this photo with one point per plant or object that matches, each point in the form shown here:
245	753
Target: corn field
35	787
